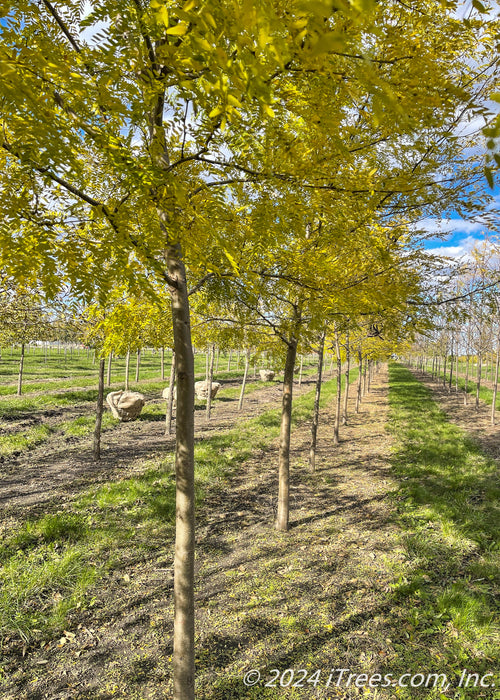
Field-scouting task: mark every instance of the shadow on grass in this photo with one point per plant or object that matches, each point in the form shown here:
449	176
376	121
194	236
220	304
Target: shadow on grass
448	508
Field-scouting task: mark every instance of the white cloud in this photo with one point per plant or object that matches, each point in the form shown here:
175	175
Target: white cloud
88	34
442	226
462	250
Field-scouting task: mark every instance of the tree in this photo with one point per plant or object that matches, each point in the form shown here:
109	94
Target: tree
178	116
24	318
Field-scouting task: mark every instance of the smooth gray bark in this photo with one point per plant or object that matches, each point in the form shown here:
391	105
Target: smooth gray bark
243	384
336	427
96	452
170	400
137	365
282	518
360	380
20	375
315	423
495	384
183	656
127	367
209	381
108	377
346	389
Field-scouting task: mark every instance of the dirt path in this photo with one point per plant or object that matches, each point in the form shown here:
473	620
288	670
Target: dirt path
264	599
63	466
476	422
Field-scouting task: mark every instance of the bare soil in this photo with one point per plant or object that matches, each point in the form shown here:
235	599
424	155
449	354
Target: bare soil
62	467
264	599
475	421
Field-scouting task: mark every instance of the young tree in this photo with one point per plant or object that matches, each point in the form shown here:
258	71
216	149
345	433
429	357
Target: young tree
169	103
24	318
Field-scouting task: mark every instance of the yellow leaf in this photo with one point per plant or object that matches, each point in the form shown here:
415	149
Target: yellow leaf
268	111
300	23
233	101
179	29
210	19
162	16
215	112
233	262
202	43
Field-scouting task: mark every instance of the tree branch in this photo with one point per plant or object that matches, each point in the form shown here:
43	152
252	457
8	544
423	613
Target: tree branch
62	26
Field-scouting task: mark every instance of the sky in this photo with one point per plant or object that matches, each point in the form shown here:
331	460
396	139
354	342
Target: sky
460	235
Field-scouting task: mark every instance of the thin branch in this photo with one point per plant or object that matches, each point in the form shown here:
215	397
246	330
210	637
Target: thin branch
201	282
184	131
146	38
62	25
457	298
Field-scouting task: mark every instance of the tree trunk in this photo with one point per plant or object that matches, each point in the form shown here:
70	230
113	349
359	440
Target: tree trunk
466	388
315	423
450	381
96	452
108	378
229	362
495	384
162	362
336	428
302	365
479	372
137	365
284	446
183	657
209	381
217	360
127	366
245	375
20	376
346	389
360	379
170	401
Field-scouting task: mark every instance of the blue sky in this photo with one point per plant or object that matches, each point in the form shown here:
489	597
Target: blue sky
461	234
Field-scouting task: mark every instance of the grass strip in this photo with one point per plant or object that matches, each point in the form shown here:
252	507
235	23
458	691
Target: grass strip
447	506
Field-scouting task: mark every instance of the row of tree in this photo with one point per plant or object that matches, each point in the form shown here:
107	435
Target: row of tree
464	342
267	159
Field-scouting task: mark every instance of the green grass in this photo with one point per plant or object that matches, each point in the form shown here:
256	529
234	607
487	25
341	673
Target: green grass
79	370
20	441
50	563
448	509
